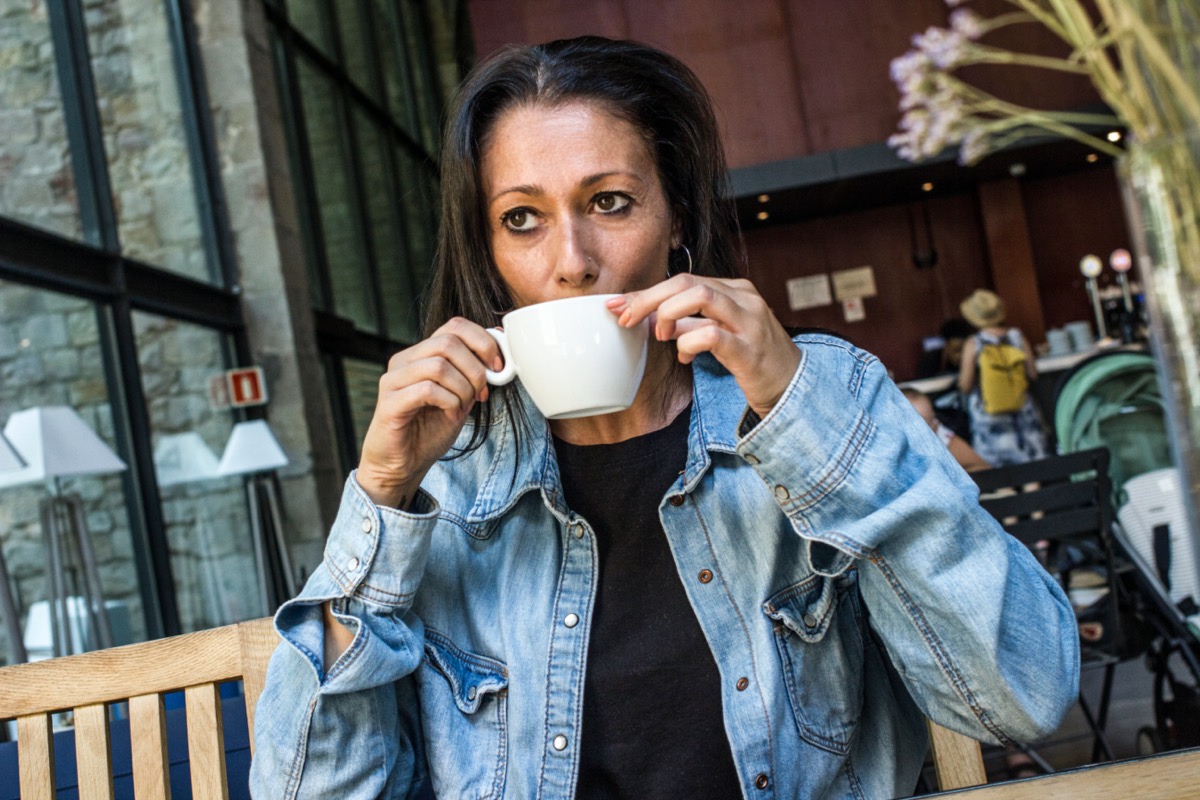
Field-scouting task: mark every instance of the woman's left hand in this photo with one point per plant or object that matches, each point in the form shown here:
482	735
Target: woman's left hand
725	317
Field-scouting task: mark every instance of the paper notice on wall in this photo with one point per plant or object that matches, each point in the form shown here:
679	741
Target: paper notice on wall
854	309
857	282
809	292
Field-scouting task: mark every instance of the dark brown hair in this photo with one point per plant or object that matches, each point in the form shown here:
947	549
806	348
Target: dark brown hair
652	90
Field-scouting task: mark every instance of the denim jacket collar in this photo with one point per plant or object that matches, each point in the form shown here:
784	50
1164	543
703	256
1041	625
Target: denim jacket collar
717	410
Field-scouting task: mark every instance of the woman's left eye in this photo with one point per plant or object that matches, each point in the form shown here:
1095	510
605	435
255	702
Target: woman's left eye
611	202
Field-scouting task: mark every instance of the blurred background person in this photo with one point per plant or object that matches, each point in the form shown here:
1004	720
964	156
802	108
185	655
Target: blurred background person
946	358
963	453
995	376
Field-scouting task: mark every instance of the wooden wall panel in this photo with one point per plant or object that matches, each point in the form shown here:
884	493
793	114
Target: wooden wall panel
1010	254
843	50
1069	217
742	53
495	23
912	302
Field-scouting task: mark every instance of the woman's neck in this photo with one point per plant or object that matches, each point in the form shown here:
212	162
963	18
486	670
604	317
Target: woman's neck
666	389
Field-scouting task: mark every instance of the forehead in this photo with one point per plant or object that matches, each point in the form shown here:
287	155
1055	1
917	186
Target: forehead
588	132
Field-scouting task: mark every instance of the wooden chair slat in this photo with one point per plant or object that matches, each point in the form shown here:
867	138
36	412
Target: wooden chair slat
121	672
206	742
93	756
35	757
1170	776
148	745
258	640
957	759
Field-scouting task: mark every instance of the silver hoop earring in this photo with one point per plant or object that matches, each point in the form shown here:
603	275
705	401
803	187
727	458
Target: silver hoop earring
687	253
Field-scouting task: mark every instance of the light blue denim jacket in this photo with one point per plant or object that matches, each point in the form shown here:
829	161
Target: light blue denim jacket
835	557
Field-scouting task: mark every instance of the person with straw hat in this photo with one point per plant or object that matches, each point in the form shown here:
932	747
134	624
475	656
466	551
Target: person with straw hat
1008	431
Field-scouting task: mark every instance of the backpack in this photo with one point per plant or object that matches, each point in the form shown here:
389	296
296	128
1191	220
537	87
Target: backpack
1003	384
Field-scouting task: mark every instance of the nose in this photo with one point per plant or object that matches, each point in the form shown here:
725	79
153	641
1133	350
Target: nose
575	266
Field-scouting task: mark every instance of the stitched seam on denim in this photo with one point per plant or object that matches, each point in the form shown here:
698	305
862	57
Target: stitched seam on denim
502	761
741	621
356	646
566	534
803	729
370	592
296	770
840	469
936	646
852	777
481	661
792	591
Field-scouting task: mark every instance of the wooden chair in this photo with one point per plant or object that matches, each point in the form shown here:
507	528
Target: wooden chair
196	663
141	674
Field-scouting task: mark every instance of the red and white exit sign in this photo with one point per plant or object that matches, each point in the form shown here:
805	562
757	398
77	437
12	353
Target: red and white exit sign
238	388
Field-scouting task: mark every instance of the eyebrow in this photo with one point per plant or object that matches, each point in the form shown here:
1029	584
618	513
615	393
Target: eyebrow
537	191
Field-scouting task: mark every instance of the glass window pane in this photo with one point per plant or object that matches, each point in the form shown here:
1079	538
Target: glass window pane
309	18
389	41
362	385
356	35
418	200
206	517
400	306
154	190
425	86
340	223
50	359
37	184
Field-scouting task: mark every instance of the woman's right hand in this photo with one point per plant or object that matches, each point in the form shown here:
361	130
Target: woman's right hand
424	399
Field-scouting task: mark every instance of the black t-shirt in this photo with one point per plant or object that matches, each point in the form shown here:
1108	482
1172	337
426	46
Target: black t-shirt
652	720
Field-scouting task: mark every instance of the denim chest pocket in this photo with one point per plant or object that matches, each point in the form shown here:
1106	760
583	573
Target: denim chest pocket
819	637
463	699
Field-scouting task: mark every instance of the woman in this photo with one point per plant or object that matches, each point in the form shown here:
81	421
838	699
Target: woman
1001	437
963	453
753	582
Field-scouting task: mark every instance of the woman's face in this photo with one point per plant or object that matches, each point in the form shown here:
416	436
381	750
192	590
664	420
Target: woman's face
574	203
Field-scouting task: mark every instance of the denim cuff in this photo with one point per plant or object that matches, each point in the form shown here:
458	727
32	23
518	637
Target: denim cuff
377	554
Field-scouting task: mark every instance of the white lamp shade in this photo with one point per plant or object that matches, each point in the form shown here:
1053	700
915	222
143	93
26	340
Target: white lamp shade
55	442
252	447
183	458
9	460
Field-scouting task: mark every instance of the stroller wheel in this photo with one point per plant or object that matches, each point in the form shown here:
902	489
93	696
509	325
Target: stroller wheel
1149	741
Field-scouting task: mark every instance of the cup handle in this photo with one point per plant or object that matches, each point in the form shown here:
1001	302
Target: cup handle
510	370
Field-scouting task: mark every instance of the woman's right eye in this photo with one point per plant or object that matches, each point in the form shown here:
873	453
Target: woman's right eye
519	220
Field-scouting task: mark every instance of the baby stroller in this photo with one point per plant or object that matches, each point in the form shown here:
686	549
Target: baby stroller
1113	400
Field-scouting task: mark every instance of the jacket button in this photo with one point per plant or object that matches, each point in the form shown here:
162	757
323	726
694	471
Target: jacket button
472	693
367	525
810	621
752	459
781	492
705	576
742	684
762	781
578	531
677	500
560	742
571	620
352	564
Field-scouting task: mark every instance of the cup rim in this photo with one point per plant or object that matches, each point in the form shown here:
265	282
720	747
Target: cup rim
563	301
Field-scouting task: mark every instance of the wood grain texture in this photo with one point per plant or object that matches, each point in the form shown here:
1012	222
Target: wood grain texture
93	756
35	756
1171	776
148	743
120	672
206	742
957	758
258	641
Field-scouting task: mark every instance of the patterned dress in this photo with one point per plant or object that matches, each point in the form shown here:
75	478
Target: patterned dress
1004	439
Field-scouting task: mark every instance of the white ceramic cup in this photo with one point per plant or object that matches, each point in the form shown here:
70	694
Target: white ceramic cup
572	356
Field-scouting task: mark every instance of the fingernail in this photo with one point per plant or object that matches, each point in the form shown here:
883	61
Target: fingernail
483	396
616	302
497	364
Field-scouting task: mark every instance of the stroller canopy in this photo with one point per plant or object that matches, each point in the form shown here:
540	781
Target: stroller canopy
1113	400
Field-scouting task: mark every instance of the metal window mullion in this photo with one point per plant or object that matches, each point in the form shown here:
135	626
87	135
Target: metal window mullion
304	181
131	424
360	214
85	133
202	141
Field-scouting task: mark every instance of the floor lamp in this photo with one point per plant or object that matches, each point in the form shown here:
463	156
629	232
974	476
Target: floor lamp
55	443
9	462
253	451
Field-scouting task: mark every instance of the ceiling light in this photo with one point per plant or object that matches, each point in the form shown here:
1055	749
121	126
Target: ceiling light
1092	158
762	198
927	187
1114	136
763	215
